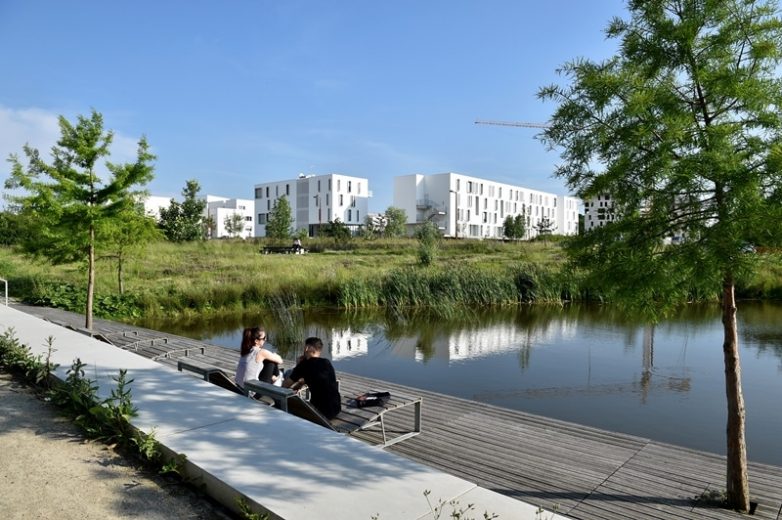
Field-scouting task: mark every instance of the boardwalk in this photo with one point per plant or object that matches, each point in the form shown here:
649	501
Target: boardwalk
578	471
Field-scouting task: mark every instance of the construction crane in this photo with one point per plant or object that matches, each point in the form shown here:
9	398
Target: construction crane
512	123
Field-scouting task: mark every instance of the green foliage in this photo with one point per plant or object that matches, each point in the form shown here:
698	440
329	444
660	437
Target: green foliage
514	227
124	237
428	237
18	359
72	298
184	222
337	230
395	222
11	228
66	201
686	132
545	227
280	222
682	129
234	224
247	512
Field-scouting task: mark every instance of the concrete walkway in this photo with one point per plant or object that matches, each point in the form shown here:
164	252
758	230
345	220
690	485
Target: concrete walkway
279	463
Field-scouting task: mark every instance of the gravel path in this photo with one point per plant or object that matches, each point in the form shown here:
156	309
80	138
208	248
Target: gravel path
49	471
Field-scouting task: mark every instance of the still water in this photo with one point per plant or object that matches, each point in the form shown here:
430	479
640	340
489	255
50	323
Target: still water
583	364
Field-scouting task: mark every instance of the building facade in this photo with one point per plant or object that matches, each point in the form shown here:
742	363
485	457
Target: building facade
469	207
598	211
219	210
153	204
315	200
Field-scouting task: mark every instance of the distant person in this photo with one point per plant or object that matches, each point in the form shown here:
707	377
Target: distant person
297	244
318	374
257	362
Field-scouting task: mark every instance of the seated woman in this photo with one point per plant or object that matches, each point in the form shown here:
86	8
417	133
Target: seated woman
318	374
255	359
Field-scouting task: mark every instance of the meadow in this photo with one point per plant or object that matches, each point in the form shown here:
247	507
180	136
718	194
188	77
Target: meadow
218	276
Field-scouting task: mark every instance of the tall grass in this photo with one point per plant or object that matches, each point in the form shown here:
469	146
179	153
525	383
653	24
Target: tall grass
222	276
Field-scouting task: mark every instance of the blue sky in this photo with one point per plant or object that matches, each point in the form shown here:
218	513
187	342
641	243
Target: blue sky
237	93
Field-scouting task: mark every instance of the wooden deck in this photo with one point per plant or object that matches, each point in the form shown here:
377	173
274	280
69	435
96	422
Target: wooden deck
575	470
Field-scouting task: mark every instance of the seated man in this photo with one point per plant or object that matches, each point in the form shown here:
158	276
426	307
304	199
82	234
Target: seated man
318	374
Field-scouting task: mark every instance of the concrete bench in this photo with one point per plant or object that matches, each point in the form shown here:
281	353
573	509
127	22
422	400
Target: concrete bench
211	374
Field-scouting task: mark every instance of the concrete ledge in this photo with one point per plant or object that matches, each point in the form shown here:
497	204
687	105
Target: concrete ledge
238	448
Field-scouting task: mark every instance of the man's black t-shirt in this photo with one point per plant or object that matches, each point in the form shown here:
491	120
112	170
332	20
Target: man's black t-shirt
319	375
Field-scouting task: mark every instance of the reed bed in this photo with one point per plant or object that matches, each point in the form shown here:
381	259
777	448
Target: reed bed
169	280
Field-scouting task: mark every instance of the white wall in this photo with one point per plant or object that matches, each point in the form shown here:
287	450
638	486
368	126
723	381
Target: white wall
470	207
220	208
315	200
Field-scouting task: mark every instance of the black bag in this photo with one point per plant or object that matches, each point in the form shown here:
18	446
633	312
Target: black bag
372	399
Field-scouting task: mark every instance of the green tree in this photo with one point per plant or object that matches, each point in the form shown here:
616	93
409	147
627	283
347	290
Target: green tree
514	227
337	230
682	128
69	200
521	226
184	222
280	223
428	237
544	228
234	224
120	238
395	222
11	228
371	229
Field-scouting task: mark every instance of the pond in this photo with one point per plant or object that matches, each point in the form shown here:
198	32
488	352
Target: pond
589	365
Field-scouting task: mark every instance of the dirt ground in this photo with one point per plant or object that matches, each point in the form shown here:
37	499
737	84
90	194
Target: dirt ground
48	470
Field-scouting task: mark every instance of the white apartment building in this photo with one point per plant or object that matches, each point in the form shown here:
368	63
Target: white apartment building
470	207
315	200
220	209
154	203
598	211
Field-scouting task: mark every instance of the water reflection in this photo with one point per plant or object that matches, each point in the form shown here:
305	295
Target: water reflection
587	364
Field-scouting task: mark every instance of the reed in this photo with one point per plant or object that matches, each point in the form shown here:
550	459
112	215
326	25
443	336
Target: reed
224	276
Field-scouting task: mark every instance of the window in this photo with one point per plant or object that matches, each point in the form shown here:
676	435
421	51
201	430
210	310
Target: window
350	186
458	184
329	185
358	219
267	192
287	189
268	204
469	186
339	184
350	215
248	219
327	199
341	199
258	193
277	191
261	218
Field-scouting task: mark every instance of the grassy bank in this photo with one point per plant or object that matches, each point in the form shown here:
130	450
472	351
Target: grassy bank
169	279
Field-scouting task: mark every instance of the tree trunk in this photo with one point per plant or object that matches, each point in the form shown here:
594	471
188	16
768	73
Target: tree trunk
90	278
120	280
737	484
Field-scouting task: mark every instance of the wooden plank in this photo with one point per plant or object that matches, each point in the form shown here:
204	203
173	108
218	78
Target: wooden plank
579	471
